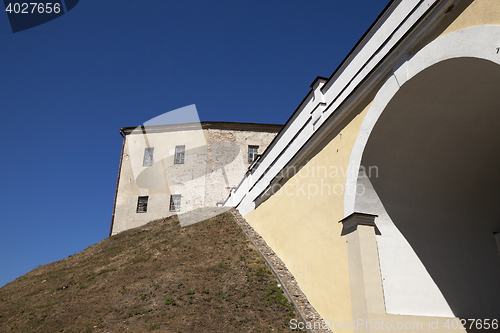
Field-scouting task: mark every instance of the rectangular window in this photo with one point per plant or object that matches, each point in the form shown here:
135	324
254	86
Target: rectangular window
253	151
179	154
148	157
142	205
175	202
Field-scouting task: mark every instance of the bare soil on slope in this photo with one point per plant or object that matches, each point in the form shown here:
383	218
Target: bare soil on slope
206	277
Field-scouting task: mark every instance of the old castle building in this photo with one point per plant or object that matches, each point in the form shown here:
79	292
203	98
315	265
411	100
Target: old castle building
174	169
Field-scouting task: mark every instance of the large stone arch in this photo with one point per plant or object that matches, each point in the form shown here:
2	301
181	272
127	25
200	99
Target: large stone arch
431	133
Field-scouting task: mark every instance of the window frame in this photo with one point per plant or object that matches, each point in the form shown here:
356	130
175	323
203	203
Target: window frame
147	161
179	154
142	204
252	155
175	203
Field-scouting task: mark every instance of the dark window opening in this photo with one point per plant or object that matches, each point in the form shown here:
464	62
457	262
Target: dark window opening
253	152
175	202
142	205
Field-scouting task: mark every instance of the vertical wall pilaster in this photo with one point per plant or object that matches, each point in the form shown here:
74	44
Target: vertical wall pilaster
364	269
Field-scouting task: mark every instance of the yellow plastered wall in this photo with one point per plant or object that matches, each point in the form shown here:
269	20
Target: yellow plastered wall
468	13
300	223
477	12
303	228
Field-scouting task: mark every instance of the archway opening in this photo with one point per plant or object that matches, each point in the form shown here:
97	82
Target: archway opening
435	147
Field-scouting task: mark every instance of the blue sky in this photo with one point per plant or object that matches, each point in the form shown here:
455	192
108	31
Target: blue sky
68	86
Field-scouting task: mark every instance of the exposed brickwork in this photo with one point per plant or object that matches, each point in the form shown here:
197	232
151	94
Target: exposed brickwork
215	160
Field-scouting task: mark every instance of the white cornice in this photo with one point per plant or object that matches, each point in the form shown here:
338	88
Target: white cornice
387	44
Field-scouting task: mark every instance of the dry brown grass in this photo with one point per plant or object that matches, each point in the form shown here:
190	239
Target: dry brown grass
160	277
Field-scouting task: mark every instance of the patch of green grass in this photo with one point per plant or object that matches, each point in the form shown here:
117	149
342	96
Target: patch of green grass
138	259
275	296
152	327
45	305
191	292
223	265
107	271
170	301
262	271
137	313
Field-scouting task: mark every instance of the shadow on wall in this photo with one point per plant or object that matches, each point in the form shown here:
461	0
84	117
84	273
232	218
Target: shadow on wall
436	148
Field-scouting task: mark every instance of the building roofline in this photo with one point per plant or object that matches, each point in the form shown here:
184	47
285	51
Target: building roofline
318	78
384	45
351	53
256	127
359	43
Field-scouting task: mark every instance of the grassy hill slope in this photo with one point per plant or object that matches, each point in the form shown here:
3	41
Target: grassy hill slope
160	277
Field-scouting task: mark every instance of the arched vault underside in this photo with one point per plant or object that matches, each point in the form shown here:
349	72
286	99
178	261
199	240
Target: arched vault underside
435	184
